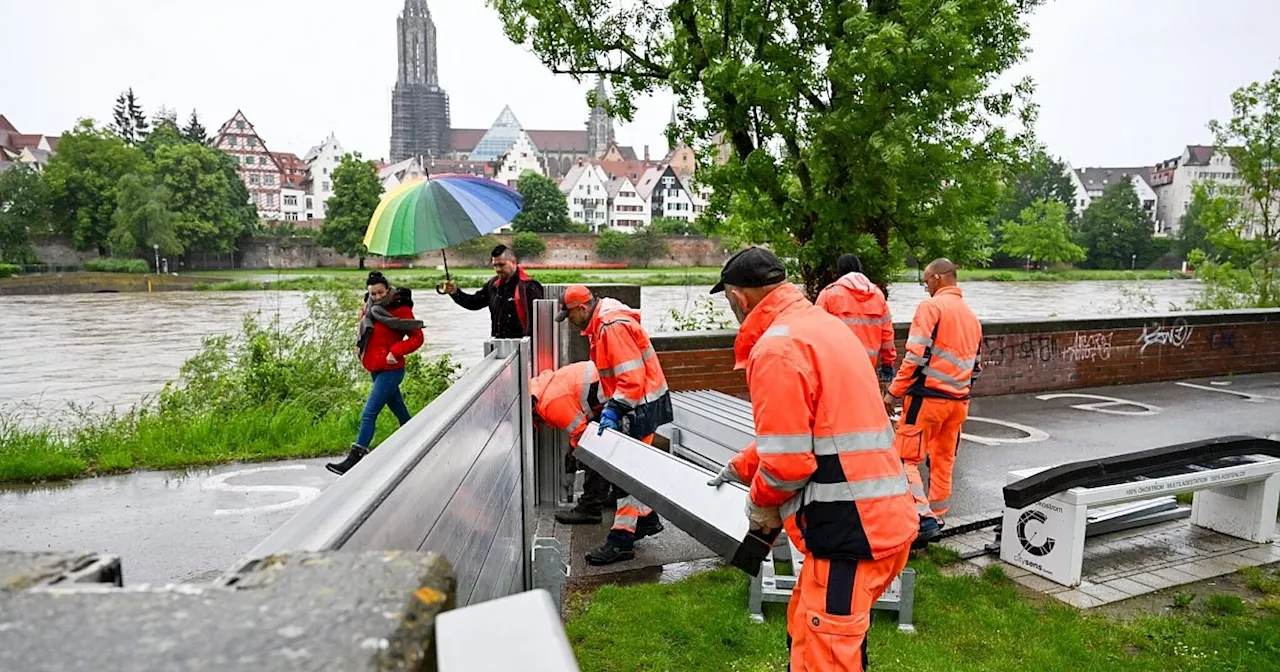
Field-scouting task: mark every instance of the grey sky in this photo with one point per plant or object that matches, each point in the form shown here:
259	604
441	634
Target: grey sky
1119	82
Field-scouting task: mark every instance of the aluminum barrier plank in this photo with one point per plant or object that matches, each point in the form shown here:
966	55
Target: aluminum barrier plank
676	489
520	632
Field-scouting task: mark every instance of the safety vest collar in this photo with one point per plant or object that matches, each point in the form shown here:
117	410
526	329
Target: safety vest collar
779	302
608	310
953	289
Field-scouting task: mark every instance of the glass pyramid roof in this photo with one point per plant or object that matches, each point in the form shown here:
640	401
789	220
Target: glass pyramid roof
501	135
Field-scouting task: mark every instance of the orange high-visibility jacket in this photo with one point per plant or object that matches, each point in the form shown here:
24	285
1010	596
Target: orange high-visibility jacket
824	447
568	398
631	378
942	349
860	304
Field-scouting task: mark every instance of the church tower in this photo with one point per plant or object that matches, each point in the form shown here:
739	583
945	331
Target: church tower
599	124
419	107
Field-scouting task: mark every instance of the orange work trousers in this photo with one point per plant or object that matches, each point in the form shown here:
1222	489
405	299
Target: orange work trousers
830	611
631	510
929	427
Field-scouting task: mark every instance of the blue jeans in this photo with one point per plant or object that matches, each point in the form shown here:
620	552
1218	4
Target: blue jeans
385	392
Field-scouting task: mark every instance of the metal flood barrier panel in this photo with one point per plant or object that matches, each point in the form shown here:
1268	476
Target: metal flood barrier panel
457	480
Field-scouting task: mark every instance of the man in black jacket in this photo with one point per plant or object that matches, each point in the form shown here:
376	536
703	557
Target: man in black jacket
509	296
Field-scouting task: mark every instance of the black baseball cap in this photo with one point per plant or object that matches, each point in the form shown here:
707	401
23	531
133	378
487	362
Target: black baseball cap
752	267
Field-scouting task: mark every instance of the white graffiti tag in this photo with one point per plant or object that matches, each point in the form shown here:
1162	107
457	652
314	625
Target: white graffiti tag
1155	333
303	494
1104	404
1091	347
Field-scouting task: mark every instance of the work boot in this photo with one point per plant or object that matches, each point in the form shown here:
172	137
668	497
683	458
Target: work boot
929	528
648	526
610	553
357	453
579	515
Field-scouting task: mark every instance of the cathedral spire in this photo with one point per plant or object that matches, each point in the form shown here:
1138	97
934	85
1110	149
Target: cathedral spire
599	124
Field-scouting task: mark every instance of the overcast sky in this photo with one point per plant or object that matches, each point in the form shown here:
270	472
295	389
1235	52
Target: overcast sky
1119	82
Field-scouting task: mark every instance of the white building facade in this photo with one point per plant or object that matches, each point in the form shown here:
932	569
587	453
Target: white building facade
1176	178
1090	183
669	195
520	156
293	203
321	161
628	211
586	189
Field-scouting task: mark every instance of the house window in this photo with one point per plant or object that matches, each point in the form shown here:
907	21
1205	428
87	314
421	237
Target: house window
324	171
290	200
262	160
239	124
248	160
290	216
253	179
271	199
324	186
309	203
268	179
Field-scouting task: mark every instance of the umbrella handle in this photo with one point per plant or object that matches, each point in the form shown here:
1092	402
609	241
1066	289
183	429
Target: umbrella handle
440	287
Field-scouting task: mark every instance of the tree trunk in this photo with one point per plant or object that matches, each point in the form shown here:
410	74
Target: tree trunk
361	258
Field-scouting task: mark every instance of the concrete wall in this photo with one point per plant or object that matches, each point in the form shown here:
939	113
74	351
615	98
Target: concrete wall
1040	355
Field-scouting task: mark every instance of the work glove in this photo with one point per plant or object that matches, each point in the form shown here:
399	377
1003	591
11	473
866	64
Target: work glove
763	517
726	475
886	373
609	419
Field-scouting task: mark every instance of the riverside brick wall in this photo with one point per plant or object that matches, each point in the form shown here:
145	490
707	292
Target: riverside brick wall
1022	356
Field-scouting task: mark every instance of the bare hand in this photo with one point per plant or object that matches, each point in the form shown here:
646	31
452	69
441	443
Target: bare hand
391	359
450	287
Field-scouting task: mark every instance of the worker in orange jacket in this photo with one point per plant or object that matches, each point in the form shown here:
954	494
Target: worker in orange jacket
567	398
860	304
637	400
933	383
823	464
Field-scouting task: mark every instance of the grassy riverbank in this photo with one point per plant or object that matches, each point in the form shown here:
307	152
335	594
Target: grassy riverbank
268	393
312	279
963	623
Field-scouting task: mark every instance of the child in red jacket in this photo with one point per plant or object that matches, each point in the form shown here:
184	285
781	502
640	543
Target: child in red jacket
386	335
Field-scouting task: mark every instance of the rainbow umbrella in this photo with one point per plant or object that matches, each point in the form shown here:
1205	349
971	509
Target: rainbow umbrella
438	213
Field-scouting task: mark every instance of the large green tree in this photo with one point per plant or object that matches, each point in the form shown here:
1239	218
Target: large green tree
195	131
612	244
545	208
210	212
1039	177
143	221
356	193
23	211
1115	228
645	245
669	226
128	120
1040	233
1242	267
849	124
82	179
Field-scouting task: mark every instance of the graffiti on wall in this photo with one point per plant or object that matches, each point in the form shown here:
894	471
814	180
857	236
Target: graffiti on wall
1158	333
1089	347
1223	339
997	351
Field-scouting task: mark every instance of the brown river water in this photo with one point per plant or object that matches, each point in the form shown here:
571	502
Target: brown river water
112	350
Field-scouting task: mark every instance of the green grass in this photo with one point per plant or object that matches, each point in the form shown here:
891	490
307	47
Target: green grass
117	266
1069	275
963	623
427	280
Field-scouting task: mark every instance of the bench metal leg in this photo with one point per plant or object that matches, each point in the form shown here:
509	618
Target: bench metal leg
907	601
755	598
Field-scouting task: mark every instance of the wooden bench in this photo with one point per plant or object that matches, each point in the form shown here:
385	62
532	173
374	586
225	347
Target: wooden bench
1236	481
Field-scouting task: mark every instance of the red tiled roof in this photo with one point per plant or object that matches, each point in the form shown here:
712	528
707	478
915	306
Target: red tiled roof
20	141
1200	155
630	169
465	139
53	141
6	126
562	141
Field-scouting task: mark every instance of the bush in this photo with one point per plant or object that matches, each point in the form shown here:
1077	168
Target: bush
528	245
7	270
613	244
117	266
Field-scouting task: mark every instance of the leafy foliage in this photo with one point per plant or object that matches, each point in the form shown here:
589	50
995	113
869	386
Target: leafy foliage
1040	232
195	131
850	125
23	209
128	120
669	226
143	220
528	245
545	208
476	247
612	244
9	270
1115	228
1240	264
356	193
705	315
202	185
117	266
82	179
1040	177
646	245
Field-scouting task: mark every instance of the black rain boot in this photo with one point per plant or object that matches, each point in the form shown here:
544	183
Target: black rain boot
929	529
357	453
648	526
583	513
618	546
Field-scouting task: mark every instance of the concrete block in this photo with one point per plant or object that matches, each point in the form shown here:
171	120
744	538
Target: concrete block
1078	599
1013	571
1103	592
1163	578
1129	587
1037	583
1262	555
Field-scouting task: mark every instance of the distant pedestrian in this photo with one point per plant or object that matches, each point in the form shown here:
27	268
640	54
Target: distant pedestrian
509	296
860	304
387	333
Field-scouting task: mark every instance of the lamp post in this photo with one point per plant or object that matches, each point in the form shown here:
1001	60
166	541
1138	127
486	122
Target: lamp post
156	248
1133	261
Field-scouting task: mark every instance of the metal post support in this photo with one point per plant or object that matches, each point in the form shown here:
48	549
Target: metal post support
551	445
528	513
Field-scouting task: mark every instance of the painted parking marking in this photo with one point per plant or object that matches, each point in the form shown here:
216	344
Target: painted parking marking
304	493
1221	384
1033	435
1105	404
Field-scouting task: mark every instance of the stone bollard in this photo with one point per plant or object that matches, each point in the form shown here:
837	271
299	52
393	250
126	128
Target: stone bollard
301	611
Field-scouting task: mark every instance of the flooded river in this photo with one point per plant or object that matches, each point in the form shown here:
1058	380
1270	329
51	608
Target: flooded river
105	350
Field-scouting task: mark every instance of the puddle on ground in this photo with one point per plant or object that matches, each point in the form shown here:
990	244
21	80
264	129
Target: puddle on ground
676	571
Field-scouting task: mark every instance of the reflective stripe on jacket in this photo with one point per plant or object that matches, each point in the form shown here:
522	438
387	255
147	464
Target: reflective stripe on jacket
824	447
860	304
631	378
943	347
568	398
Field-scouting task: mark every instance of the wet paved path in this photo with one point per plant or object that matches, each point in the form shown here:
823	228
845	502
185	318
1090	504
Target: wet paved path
174	526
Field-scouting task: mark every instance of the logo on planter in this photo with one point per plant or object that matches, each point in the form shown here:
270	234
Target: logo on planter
1037	547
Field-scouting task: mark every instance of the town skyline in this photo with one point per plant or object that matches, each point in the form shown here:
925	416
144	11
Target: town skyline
1173	64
